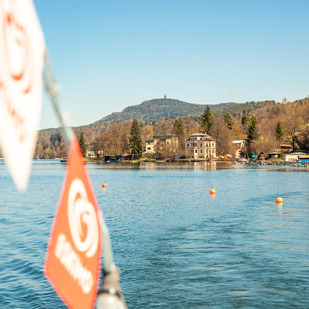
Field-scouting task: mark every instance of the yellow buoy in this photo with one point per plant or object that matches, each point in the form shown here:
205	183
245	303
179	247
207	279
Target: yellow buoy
279	200
212	191
104	185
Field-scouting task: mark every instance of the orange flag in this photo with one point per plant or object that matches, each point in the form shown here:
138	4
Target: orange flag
73	257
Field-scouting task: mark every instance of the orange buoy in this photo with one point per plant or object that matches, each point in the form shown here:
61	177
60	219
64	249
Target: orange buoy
104	185
279	200
212	191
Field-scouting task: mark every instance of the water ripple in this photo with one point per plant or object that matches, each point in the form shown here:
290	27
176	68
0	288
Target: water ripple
177	246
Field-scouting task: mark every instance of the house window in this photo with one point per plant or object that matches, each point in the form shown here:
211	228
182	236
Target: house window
188	145
201	150
195	151
201	145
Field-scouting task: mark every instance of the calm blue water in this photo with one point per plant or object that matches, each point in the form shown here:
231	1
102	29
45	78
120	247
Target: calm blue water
177	246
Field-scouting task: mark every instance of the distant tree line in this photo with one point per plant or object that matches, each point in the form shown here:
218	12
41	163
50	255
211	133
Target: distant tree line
264	129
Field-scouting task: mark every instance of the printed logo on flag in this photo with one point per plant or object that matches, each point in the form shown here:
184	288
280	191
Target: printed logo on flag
73	258
22	52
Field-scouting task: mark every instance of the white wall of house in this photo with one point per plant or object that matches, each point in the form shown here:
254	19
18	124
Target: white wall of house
150	146
291	157
200	146
238	145
170	143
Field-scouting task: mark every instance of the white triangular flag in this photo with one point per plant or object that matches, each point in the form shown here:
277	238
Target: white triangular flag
22	51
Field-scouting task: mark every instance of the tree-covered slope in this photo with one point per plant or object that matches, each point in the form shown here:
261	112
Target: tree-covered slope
158	109
245	108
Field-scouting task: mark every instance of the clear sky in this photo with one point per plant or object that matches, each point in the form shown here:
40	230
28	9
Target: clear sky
108	55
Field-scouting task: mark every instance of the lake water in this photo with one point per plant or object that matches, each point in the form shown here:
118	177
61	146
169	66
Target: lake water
176	245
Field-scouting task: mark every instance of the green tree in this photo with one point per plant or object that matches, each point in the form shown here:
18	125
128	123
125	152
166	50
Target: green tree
82	144
252	132
207	120
179	130
279	131
178	127
229	121
136	140
55	138
244	120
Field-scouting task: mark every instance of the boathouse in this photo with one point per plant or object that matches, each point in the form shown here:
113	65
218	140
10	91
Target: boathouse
303	158
292	156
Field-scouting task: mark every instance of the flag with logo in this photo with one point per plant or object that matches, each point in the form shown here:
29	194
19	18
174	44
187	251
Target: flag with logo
73	257
22	51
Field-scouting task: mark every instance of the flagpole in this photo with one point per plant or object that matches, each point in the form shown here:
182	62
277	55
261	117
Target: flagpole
53	90
110	295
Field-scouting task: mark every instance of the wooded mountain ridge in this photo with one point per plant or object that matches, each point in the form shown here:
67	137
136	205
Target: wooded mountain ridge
160	109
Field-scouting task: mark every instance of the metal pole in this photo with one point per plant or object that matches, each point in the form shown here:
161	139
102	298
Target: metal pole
110	294
53	90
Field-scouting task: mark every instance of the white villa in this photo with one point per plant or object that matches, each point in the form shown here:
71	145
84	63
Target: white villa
200	146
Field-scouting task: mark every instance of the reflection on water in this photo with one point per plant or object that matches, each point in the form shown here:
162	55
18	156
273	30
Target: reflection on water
177	246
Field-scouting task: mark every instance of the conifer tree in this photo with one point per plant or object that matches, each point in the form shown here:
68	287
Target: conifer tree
136	140
252	134
244	120
279	131
180	132
178	127
82	144
207	120
229	121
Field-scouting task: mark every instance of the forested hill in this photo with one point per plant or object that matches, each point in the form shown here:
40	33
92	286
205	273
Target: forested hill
244	108
159	109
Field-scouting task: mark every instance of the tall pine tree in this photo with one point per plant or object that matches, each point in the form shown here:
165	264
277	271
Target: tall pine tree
244	120
207	120
252	133
279	132
136	140
82	144
229	121
178	127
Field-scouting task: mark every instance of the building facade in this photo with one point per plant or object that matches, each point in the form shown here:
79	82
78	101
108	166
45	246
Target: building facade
292	157
169	143
200	146
238	146
150	145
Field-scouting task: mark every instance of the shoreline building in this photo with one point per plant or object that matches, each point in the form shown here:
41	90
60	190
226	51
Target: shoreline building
159	143
200	146
238	147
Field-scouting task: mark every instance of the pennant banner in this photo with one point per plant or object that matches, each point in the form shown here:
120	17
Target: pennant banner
22	52
73	257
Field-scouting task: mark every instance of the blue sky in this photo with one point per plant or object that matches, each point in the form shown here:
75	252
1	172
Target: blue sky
108	55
